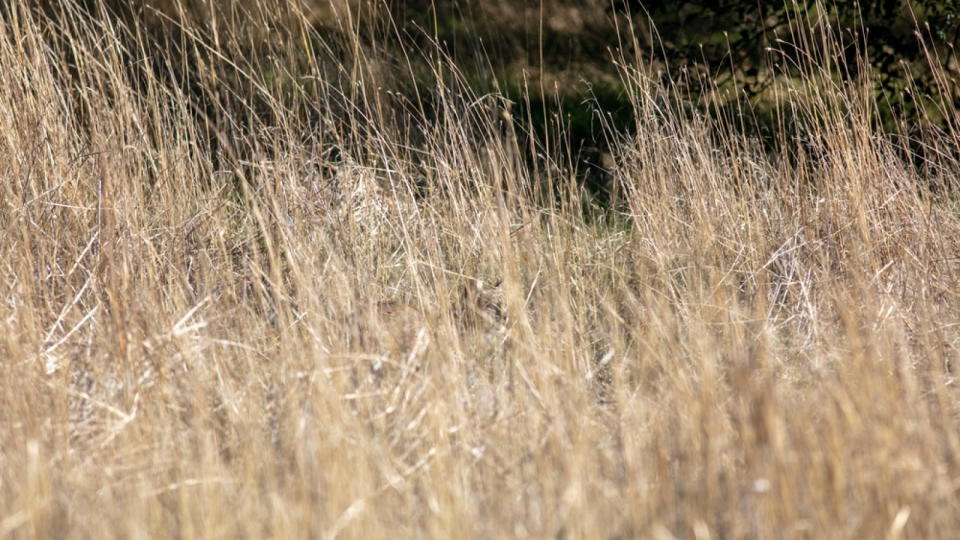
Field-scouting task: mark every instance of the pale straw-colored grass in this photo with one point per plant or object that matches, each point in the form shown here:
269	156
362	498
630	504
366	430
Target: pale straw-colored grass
250	307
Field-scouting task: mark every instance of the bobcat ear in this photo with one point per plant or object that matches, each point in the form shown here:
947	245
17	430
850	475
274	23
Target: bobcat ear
473	287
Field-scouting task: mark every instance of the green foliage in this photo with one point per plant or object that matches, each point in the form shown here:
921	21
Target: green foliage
726	56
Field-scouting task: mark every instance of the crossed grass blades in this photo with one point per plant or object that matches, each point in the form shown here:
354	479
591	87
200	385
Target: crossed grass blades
240	258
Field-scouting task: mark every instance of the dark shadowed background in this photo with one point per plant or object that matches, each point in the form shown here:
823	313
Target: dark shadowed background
556	58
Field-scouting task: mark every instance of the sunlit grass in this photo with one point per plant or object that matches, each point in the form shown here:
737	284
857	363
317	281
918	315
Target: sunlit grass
283	297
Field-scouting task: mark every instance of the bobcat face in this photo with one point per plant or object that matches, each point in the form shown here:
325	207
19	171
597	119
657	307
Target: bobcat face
482	304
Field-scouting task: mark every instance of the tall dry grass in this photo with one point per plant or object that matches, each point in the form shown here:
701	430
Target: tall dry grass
278	300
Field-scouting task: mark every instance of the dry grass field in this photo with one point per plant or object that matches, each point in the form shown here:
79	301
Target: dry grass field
250	287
